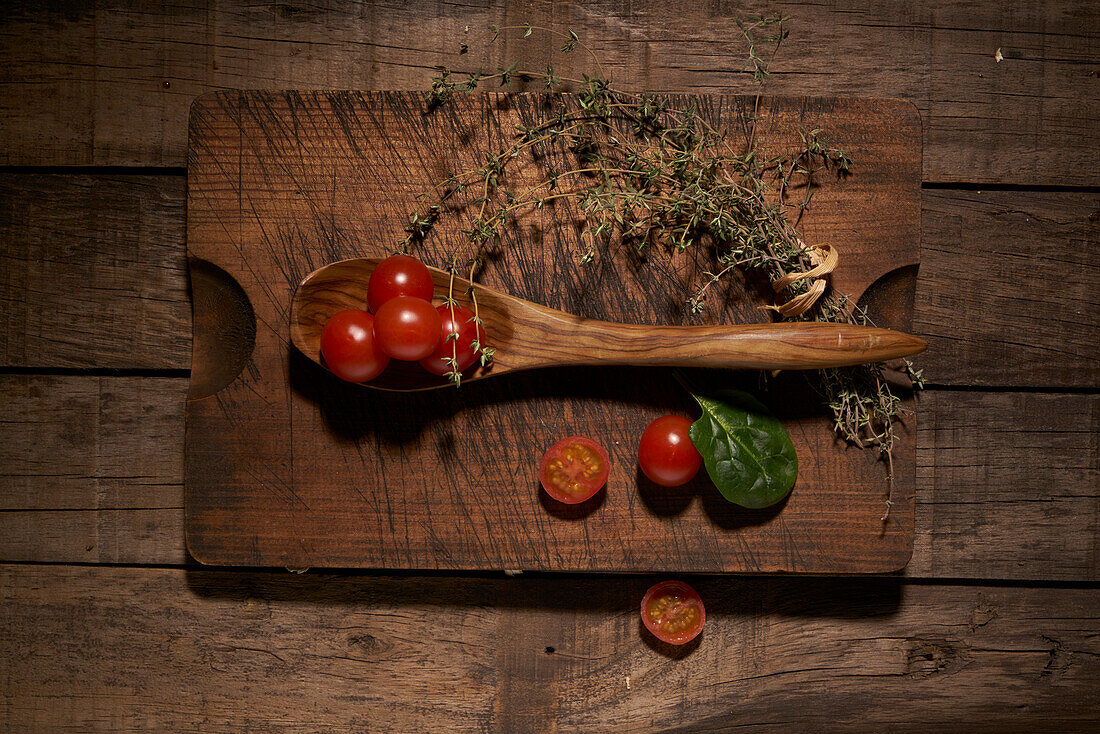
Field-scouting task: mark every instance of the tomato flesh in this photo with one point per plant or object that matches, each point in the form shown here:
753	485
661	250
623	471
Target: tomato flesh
398	275
348	346
574	469
460	349
407	328
673	612
666	454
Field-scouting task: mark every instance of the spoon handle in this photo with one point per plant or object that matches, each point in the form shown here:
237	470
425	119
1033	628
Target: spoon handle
788	346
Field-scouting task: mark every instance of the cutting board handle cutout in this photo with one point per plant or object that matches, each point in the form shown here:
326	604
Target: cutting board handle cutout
224	331
889	300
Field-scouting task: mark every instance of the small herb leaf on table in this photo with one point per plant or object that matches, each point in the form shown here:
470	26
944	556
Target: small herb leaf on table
746	450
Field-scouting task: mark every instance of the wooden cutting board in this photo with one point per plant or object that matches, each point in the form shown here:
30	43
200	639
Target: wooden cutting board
286	466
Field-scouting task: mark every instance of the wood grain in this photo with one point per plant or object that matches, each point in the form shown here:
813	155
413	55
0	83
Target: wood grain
96	649
128	535
91	469
77	443
1030	254
1017	272
990	503
110	84
288	466
92	271
1004	470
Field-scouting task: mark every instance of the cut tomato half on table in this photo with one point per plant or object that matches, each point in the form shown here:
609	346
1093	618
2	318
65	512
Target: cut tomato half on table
673	612
574	469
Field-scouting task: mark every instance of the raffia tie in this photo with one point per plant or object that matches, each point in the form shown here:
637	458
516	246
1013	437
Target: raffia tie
824	259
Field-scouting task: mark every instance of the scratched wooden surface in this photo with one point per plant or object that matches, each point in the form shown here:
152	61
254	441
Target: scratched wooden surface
287	466
107	625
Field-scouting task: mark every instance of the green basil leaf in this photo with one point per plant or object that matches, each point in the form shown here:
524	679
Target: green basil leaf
746	450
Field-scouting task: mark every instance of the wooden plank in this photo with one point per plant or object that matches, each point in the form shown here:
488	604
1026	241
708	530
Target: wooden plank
134	535
1008	483
91	442
169	650
91	469
93	272
1009	486
1045	92
1008	288
111	85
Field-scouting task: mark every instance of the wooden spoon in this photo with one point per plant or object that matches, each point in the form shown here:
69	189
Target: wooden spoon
527	335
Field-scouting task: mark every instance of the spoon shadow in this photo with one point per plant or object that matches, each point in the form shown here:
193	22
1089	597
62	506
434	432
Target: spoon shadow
352	413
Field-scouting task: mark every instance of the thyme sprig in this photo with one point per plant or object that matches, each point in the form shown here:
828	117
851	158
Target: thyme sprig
645	172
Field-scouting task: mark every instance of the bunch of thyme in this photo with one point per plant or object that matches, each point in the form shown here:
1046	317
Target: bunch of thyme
644	172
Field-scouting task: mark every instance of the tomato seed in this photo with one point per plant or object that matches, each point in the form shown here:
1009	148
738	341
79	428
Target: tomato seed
672	613
582	460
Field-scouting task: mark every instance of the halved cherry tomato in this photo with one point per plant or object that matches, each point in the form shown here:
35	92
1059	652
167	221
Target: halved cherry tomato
348	346
462	349
407	328
574	469
398	275
673	612
666	454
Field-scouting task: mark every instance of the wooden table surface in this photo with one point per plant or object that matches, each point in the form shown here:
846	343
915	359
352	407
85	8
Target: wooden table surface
106	623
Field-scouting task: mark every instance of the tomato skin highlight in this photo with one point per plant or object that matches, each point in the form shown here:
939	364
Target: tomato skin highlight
666	454
407	328
673	612
574	469
462	349
348	346
398	275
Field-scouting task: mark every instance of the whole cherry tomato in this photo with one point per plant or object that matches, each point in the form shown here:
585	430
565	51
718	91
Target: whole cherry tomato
407	328
666	454
460	349
398	275
349	348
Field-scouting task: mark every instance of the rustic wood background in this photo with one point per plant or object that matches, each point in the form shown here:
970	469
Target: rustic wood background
106	623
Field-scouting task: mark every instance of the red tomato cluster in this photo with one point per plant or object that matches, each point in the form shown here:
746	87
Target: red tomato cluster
357	346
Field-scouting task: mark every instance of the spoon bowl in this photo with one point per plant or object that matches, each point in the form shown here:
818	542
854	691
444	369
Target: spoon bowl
527	335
